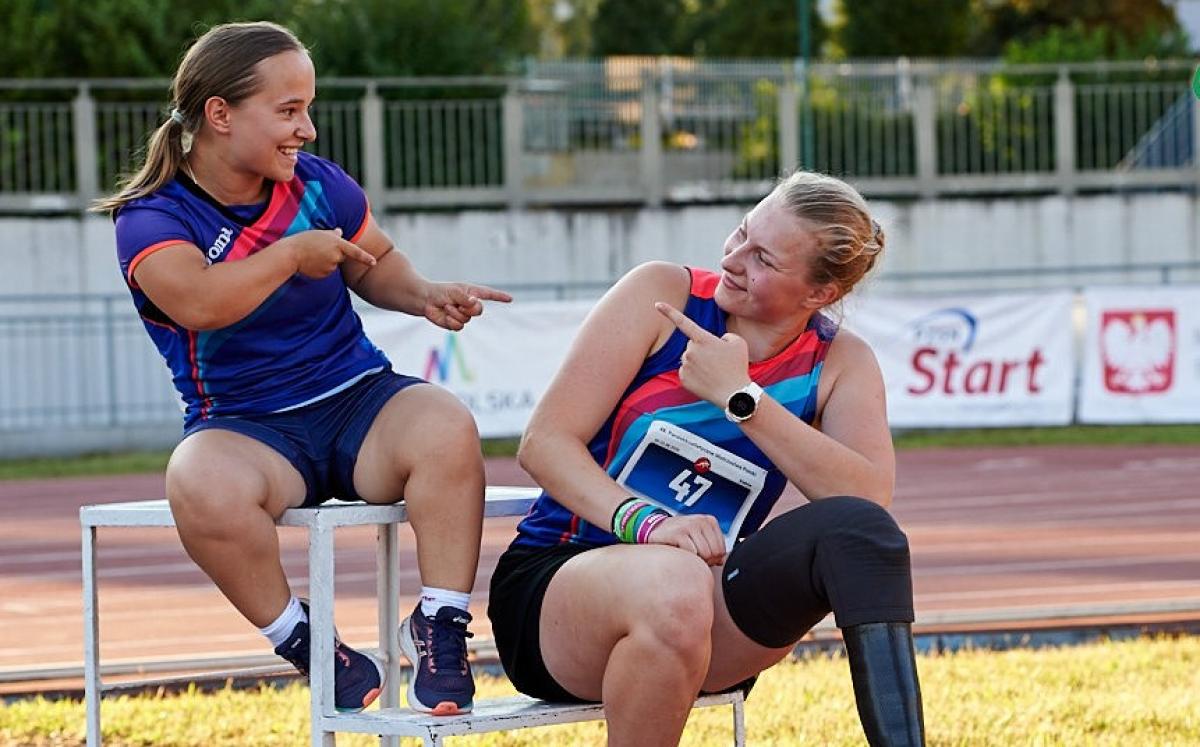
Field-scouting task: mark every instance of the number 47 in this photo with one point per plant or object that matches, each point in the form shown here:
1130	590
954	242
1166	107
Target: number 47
683	487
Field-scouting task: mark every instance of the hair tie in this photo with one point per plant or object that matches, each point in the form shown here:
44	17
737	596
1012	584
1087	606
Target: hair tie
185	137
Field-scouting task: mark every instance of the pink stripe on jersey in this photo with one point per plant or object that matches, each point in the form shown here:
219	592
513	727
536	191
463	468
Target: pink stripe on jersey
704	284
663	390
206	403
282	210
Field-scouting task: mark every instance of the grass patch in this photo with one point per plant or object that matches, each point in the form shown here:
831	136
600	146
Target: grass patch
500	447
84	466
1132	692
1083	435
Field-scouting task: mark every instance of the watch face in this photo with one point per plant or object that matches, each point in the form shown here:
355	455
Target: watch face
741	404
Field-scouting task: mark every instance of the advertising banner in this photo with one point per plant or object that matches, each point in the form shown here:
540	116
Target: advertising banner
1141	355
499	365
972	361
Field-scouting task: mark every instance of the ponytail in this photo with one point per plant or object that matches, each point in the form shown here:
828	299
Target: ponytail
164	155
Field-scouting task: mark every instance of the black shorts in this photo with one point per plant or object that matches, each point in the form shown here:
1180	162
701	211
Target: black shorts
515	608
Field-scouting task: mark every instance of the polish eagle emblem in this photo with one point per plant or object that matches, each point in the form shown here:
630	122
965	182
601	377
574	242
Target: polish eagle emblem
1138	350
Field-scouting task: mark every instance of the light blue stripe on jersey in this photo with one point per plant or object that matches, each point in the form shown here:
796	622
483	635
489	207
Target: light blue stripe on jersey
313	191
335	390
716	428
208	343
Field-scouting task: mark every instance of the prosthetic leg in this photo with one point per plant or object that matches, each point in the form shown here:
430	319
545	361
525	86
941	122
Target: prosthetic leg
886	689
847	555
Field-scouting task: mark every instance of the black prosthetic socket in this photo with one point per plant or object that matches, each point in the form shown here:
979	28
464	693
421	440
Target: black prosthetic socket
842	554
884	669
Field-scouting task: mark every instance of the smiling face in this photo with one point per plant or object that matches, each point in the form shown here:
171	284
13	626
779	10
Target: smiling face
267	128
765	274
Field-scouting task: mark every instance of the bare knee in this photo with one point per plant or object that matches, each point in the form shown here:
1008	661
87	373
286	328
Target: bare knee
457	433
206	500
674	609
430	432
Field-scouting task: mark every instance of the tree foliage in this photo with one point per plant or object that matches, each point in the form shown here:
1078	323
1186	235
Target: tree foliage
638	27
414	37
1103	29
136	38
1021	30
1078	43
913	28
109	38
762	28
564	27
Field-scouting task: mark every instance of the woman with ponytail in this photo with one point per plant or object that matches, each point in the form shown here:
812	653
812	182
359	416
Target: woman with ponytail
649	570
240	250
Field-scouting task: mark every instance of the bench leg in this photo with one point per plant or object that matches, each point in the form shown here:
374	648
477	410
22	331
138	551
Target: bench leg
388	595
739	721
321	596
91	638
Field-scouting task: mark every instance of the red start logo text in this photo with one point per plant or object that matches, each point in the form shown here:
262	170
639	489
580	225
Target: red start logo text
947	372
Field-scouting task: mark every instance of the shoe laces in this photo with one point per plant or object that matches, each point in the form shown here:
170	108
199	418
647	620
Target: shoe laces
448	644
298	654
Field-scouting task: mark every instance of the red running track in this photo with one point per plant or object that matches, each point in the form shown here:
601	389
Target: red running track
1000	534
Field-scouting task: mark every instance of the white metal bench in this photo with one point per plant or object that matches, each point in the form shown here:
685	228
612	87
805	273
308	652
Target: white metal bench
506	713
390	721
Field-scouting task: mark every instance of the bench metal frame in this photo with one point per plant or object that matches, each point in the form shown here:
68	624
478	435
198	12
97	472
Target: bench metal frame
390	721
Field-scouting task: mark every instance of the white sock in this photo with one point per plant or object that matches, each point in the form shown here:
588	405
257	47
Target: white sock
433	599
280	630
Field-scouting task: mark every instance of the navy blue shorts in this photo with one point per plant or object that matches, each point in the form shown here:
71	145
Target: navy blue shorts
321	440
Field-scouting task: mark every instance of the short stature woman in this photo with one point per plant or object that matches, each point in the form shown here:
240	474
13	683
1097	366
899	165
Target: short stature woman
240	250
648	571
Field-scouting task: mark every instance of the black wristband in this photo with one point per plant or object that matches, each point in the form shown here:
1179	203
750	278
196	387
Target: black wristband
612	522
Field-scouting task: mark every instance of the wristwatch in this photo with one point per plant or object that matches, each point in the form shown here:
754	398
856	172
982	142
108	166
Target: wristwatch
743	403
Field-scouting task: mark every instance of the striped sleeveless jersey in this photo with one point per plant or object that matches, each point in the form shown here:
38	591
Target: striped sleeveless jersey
668	446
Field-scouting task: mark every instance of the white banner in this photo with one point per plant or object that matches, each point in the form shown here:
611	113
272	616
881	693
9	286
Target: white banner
1141	359
972	361
499	365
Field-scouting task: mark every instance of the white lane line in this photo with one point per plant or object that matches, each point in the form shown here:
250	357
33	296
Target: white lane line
1123	587
983	569
1085	500
1108	541
251	641
107	554
1180	507
1071	488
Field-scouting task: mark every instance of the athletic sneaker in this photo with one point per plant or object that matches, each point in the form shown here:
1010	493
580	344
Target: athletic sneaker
441	682
357	677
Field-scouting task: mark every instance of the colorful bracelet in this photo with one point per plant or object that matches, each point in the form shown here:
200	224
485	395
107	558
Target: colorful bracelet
635	519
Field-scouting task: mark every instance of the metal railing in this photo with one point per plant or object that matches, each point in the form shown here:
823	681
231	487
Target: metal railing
79	361
664	130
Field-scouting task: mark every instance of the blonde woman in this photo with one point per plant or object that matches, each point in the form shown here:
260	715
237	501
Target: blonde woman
645	574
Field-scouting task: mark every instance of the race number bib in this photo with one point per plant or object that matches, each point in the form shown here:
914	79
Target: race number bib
685	474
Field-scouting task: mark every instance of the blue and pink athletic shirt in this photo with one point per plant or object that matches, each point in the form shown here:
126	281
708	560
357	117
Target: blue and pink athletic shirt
679	452
303	343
